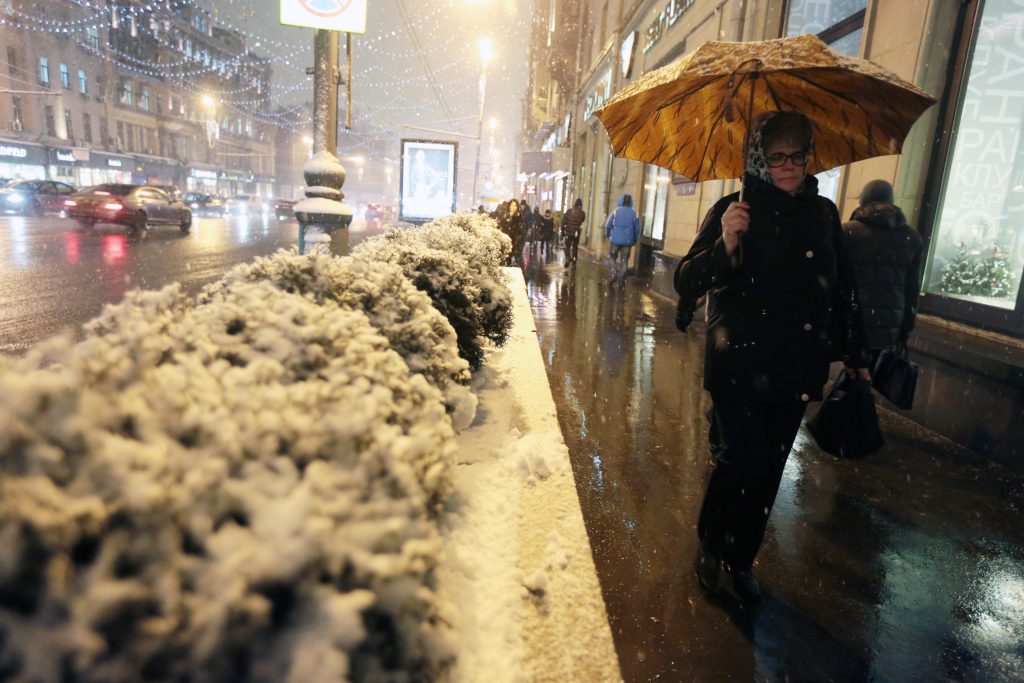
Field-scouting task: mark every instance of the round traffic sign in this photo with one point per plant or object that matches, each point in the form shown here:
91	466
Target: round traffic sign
325	8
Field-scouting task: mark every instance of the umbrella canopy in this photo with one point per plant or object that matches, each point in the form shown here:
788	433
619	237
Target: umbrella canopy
691	116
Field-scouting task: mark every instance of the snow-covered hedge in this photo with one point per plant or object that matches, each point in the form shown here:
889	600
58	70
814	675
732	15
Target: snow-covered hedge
457	262
402	313
245	487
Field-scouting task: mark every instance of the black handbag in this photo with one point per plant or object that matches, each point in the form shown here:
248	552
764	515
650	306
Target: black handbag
895	376
845	424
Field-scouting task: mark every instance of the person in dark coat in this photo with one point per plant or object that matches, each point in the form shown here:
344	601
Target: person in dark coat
886	257
547	233
777	279
510	222
527	214
572	226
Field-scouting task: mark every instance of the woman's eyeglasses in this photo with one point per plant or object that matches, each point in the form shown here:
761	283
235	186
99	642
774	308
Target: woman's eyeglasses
778	159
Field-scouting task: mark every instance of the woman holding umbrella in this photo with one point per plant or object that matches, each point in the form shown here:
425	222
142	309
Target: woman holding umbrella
780	290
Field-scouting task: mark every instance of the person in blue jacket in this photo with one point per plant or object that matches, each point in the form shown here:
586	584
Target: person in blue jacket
623	229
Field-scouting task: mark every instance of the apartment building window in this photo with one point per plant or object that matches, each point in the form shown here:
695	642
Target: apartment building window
83	82
12	61
144	98
17	114
159	103
127	96
65	76
104	132
51	122
92	37
87	127
44	71
122	142
839	23
69	127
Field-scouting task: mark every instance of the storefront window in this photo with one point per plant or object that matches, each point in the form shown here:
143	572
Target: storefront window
656	182
817	17
977	252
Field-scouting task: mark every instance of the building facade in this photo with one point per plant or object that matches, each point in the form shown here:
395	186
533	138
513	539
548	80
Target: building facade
129	91
960	177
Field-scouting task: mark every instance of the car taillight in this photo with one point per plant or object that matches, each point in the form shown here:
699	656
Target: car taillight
70	202
113	206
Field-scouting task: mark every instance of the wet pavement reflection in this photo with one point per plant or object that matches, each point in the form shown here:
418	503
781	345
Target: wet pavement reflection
905	566
55	276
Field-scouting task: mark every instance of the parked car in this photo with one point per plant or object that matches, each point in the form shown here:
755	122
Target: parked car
34	197
205	204
135	206
246	205
284	209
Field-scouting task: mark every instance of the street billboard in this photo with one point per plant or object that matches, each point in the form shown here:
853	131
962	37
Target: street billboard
348	16
427	179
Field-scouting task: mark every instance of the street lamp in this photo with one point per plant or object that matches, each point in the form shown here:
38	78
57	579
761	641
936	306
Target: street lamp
486	53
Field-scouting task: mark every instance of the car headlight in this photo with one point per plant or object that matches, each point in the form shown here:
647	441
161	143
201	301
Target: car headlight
195	205
15	198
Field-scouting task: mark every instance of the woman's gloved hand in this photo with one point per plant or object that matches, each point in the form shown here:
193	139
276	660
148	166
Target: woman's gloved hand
684	313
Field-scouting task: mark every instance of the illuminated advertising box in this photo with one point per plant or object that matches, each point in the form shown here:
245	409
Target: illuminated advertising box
427	179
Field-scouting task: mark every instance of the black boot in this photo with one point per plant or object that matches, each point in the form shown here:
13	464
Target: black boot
745	584
707	566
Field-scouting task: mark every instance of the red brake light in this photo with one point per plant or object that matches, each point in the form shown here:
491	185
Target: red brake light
70	202
113	206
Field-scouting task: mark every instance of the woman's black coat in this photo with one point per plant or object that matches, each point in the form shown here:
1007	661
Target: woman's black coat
776	316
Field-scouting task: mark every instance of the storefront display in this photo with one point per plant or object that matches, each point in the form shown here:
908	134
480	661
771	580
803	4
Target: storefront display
22	160
977	252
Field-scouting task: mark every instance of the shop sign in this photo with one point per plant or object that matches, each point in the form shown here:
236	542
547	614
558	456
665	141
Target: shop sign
627	52
14	152
666	20
114	163
66	157
598	96
333	15
209	175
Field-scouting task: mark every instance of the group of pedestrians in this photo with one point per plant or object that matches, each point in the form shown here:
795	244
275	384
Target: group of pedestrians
536	232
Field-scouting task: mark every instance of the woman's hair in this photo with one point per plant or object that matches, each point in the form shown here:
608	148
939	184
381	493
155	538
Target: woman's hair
786	126
627	200
578	202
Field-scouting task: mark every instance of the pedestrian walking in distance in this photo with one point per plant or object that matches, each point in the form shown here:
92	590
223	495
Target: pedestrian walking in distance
510	222
776	273
886	257
623	229
572	226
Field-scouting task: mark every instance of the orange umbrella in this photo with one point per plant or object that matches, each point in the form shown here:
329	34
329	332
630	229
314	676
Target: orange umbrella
692	116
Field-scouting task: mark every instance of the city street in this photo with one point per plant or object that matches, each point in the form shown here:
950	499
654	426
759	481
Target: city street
904	566
56	276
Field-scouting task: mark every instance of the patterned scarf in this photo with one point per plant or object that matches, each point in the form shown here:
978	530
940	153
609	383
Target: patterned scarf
756	164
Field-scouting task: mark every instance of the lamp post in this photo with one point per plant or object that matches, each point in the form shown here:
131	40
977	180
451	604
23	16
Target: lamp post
324	207
486	52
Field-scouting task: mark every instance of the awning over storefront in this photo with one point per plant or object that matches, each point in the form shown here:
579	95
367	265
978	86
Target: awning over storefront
12	152
118	162
70	156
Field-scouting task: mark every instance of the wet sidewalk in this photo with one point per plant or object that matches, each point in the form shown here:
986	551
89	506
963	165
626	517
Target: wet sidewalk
905	566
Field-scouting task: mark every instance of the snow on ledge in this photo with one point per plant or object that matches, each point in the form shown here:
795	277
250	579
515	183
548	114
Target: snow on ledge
517	562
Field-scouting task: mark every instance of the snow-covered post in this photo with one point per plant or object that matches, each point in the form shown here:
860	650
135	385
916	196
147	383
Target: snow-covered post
323	207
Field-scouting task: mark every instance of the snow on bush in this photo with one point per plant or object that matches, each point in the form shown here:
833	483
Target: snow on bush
402	313
445	277
456	260
245	489
256	506
485	249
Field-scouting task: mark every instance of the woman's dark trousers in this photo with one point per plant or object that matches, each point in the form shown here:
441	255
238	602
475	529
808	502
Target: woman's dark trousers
749	441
